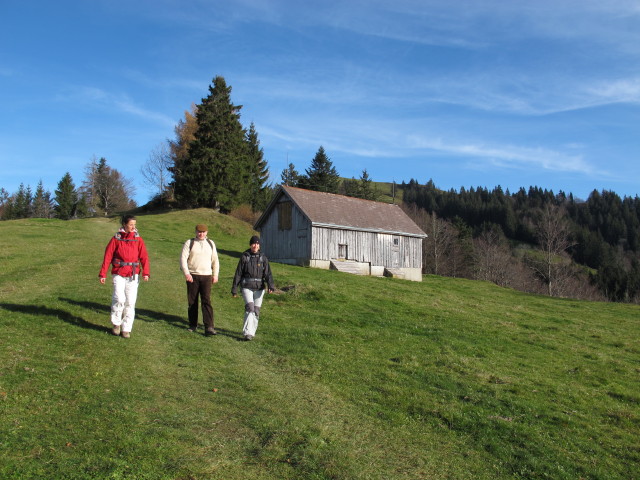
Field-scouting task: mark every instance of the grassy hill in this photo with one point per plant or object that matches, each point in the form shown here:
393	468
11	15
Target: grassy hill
348	378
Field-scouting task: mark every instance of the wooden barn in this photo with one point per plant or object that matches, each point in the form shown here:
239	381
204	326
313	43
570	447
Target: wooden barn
324	230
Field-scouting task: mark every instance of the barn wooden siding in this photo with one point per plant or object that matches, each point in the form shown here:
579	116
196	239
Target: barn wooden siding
293	244
396	251
304	242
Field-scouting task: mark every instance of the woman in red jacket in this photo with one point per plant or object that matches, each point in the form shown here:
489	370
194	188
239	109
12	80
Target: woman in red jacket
128	256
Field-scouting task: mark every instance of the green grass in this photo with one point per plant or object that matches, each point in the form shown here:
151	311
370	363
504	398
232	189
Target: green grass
348	378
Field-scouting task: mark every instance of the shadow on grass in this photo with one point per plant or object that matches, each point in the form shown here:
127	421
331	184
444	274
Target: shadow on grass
51	312
230	253
141	313
144	315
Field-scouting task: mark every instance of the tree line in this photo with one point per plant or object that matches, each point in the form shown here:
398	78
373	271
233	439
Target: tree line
103	191
213	161
533	239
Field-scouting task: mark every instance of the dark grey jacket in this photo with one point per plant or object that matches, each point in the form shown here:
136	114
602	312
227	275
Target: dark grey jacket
253	272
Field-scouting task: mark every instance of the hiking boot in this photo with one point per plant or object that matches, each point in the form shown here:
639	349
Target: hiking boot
210	331
192	329
248	338
126	334
116	330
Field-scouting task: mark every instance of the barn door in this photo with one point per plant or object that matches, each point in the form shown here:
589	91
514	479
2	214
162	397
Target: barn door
395	253
343	251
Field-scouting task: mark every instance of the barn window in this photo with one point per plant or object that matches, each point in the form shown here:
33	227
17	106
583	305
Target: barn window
396	241
284	216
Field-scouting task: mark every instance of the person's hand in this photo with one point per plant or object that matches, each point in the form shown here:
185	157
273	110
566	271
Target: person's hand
270	290
102	280
214	279
188	277
146	278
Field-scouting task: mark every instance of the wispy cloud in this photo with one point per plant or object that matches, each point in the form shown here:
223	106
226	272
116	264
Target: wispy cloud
622	90
508	156
99	98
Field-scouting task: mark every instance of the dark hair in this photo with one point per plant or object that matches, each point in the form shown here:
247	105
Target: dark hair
127	218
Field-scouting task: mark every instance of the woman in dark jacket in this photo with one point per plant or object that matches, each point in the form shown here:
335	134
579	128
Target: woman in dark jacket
252	275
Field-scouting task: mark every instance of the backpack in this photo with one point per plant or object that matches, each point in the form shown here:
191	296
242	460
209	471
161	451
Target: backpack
191	242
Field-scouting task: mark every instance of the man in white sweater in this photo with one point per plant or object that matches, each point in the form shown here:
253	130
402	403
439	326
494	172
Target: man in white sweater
200	265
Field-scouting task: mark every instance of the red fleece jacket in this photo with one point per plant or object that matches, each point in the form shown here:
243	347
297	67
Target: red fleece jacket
125	247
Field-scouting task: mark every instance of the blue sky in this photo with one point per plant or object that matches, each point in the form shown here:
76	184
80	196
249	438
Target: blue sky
467	93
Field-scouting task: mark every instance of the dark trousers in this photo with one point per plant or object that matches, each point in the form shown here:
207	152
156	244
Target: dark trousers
201	286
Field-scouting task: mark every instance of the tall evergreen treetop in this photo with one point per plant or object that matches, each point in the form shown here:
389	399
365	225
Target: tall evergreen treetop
66	198
321	176
213	174
290	176
42	204
257	171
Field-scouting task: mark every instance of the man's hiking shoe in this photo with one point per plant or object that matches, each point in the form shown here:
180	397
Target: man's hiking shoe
116	330
192	329
248	337
210	331
126	334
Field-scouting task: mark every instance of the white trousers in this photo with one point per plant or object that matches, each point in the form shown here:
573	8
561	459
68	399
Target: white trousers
123	301
252	304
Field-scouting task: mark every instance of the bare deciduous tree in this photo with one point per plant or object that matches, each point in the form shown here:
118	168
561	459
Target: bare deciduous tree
493	258
105	189
554	265
155	171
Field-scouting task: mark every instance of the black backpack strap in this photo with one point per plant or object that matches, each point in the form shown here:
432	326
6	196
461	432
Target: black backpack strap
192	241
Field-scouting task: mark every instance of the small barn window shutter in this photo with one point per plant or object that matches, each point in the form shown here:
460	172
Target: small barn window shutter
284	216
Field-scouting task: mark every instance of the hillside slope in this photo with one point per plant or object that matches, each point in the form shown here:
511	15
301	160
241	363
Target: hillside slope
349	377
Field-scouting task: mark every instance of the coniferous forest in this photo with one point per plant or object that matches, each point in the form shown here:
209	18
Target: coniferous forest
576	248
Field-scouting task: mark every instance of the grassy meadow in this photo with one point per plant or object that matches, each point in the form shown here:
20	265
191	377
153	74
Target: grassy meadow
348	378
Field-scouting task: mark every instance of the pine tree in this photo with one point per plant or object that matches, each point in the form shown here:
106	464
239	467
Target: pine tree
6	205
214	173
66	198
367	189
290	176
321	175
258	171
22	202
42	204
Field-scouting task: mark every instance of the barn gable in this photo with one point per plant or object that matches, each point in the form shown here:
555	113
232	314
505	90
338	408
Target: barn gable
320	229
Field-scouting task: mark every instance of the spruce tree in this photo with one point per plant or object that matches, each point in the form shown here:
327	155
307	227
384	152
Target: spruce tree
258	171
6	205
66	198
42	204
367	189
290	176
22	202
214	173
321	175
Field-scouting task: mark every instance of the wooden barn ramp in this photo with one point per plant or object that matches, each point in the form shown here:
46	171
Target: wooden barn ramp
346	267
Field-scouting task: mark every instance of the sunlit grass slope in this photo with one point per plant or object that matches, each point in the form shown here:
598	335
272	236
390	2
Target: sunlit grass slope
348	378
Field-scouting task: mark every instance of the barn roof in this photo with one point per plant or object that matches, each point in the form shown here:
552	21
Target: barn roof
338	211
